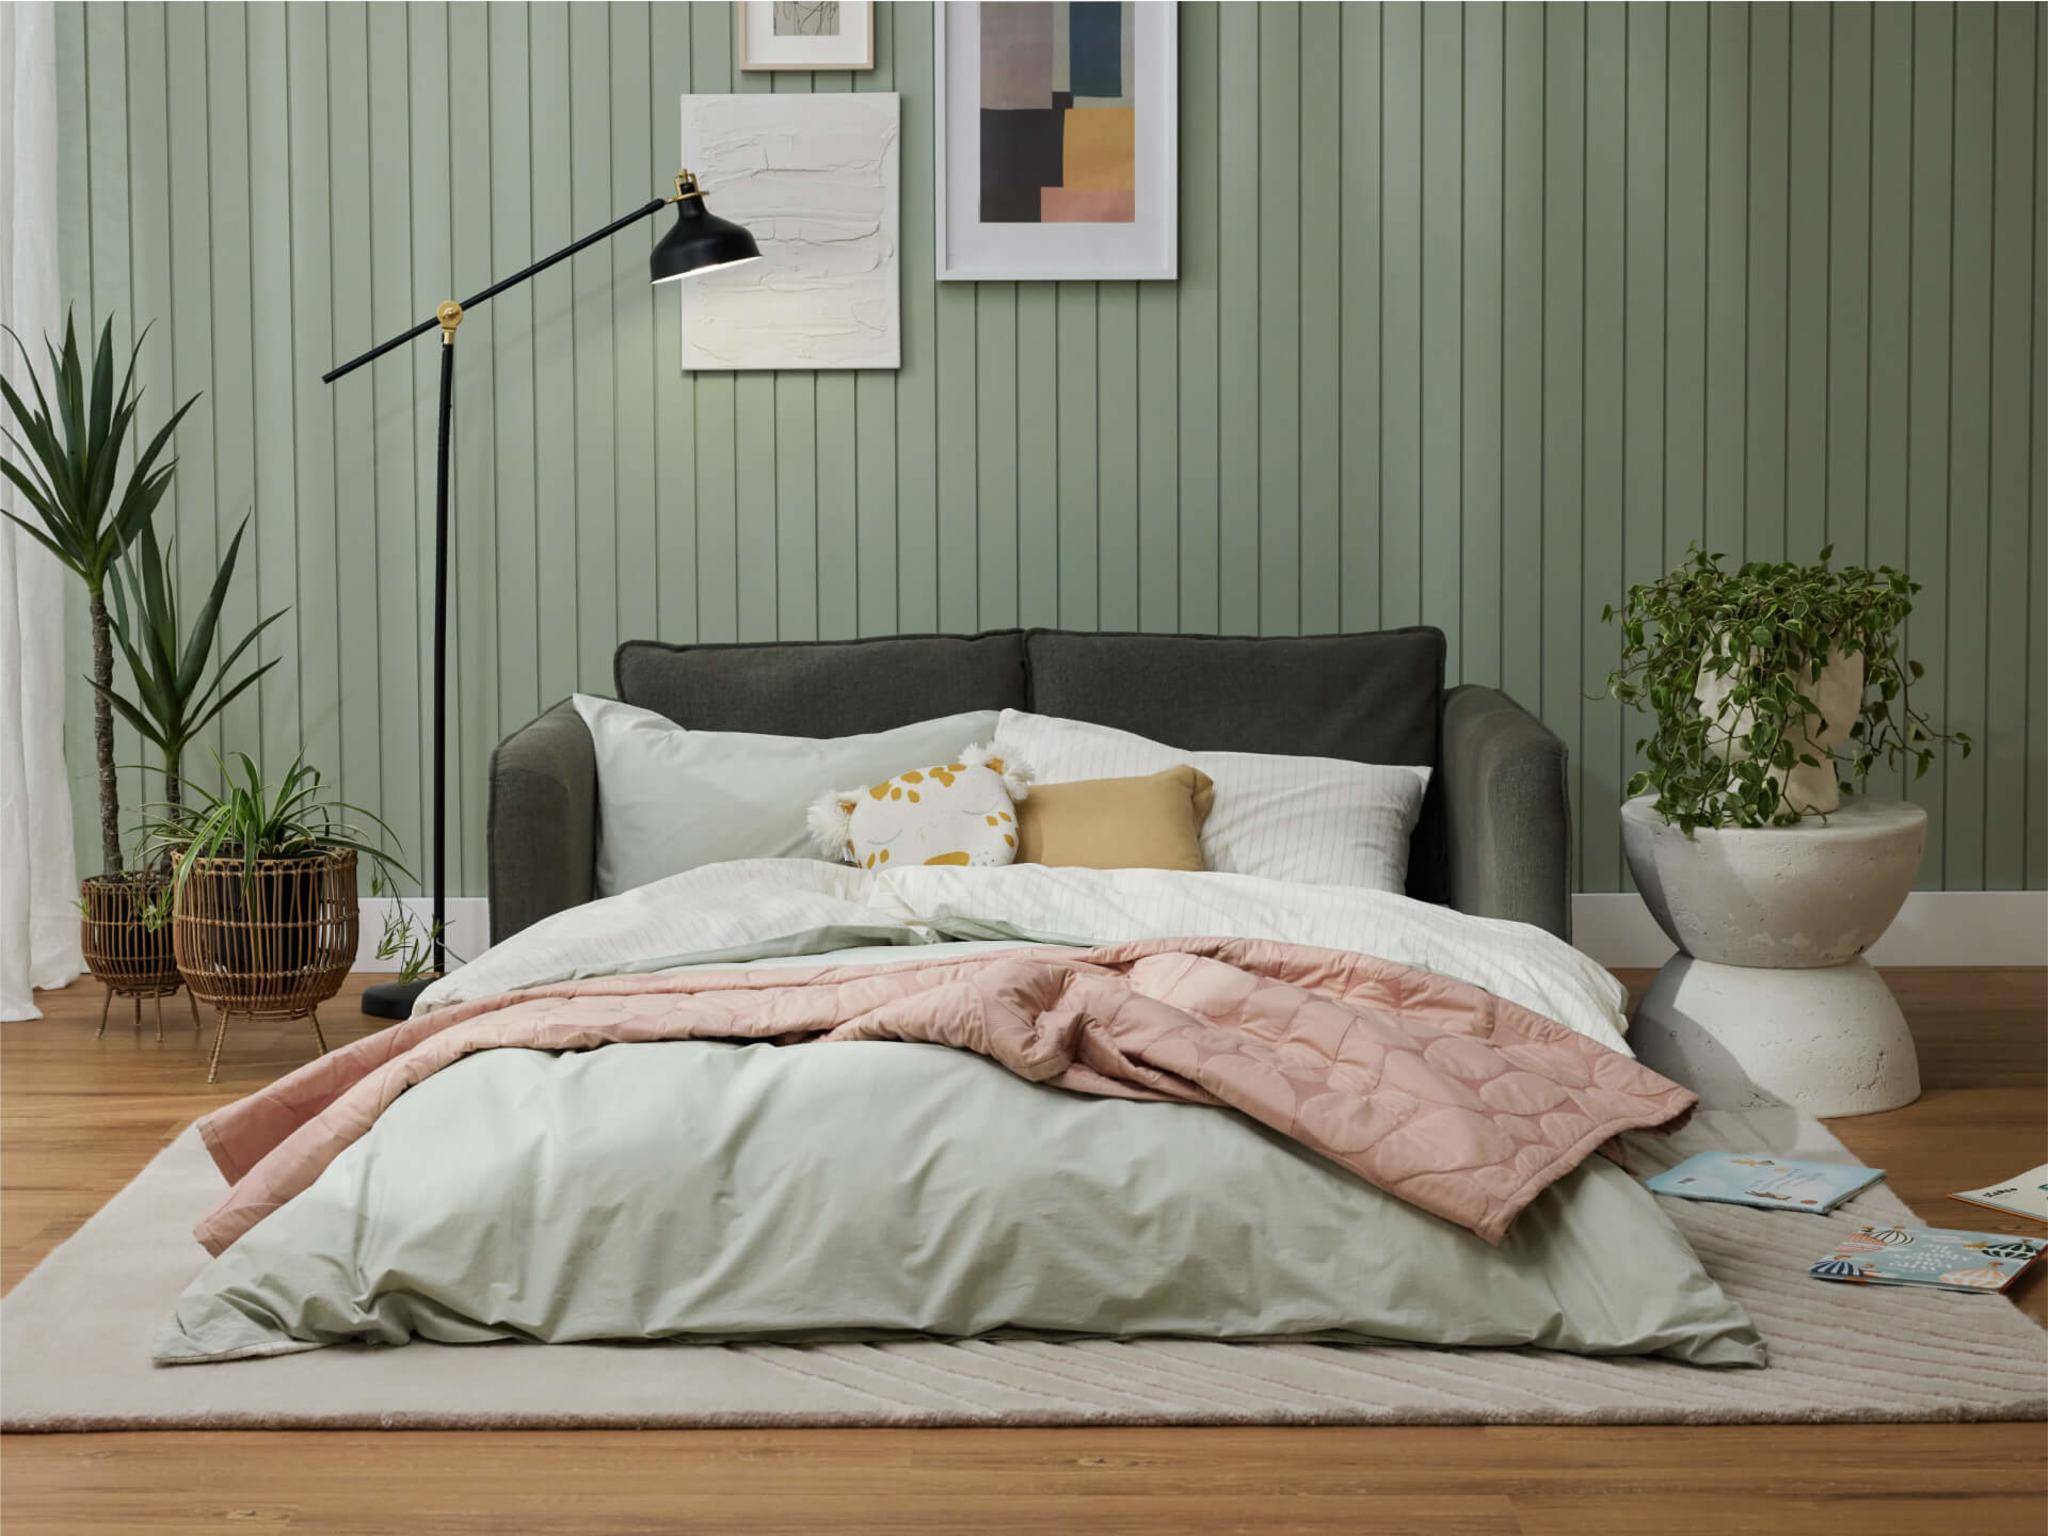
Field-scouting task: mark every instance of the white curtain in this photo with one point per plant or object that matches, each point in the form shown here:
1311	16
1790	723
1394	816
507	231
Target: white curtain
38	869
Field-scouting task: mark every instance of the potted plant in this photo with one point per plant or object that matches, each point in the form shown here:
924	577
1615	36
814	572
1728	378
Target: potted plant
65	460
261	901
1775	690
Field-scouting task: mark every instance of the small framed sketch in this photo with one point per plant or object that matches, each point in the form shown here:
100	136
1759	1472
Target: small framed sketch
1058	140
805	34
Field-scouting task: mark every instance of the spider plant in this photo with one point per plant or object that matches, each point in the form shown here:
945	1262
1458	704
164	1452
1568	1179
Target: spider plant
250	821
168	666
65	460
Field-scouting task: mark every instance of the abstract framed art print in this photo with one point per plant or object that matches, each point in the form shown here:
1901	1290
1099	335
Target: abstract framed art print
1058	139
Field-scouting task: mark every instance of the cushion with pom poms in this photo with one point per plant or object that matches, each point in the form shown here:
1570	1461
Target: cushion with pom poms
963	812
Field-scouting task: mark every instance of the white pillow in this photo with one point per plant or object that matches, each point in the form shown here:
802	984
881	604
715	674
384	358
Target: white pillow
1318	820
671	799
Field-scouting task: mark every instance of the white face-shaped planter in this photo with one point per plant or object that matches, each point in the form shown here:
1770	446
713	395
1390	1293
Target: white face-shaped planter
1839	693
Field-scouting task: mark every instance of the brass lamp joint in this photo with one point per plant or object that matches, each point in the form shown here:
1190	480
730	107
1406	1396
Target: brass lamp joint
686	186
449	313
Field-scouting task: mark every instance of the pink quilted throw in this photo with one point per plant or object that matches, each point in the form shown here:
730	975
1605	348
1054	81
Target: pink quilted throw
1449	1097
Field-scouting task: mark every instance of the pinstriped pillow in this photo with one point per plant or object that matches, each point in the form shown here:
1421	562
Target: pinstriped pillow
1316	820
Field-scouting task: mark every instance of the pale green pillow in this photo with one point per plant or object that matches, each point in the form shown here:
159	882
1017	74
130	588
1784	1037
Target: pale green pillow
671	799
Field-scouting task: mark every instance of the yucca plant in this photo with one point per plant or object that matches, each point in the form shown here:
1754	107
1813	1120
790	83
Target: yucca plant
65	460
174	701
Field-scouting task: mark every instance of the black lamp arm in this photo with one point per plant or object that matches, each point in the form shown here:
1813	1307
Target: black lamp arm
433	322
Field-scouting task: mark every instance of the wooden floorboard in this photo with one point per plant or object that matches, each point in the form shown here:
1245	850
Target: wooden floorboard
79	1117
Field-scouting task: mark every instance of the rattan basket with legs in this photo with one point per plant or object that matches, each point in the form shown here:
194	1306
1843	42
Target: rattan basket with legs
272	942
125	955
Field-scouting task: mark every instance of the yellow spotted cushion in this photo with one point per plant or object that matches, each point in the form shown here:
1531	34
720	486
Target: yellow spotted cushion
963	812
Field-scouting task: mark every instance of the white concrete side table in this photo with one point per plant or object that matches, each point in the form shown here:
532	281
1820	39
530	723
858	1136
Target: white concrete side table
1769	1000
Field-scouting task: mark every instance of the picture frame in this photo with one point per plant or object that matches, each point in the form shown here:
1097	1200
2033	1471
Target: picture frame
816	176
778	34
1132	173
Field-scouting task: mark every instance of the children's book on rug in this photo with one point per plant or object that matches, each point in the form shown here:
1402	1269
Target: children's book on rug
1948	1261
1773	1183
2026	1195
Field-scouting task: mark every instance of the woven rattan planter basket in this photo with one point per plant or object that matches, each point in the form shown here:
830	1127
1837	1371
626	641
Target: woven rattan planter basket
272	944
126	956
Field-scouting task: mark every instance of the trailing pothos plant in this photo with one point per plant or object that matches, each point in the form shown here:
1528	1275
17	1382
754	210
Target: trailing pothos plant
296	818
1767	631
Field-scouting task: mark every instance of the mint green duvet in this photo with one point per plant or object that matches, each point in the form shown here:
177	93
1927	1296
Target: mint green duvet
701	1191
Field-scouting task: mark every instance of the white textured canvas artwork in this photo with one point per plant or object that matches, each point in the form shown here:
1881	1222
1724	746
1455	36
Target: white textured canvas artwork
815	180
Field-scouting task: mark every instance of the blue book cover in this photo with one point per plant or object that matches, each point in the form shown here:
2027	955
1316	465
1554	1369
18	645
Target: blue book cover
1772	1183
1948	1261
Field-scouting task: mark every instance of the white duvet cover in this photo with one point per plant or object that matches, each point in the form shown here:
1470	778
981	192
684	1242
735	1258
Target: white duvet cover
797	909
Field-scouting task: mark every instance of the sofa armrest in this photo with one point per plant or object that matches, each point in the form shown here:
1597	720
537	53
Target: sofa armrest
1508	811
543	821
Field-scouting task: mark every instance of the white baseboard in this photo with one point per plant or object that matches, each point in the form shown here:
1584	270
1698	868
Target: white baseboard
469	927
1935	928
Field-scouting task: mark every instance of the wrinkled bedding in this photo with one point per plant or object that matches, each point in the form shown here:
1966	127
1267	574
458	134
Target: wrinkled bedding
677	1187
1457	1101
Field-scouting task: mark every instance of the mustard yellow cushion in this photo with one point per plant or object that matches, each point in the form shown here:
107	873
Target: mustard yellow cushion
1150	822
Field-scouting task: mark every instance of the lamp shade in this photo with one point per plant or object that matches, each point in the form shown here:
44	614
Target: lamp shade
700	240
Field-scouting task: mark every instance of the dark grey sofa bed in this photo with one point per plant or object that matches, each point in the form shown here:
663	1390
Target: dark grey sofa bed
1495	829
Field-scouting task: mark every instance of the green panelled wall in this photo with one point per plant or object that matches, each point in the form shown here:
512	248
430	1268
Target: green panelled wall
1484	312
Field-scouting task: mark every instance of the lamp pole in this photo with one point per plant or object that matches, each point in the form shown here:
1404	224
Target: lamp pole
699	242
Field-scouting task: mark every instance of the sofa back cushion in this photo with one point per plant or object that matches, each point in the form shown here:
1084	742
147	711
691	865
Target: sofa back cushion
1368	698
823	687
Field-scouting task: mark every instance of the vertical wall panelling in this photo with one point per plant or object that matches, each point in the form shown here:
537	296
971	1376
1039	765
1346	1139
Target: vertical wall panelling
1808	190
1484	312
1200	305
1116	388
1481	331
1561	567
1931	338
629	309
1522	350
916	583
1606	425
387	522
477	657
2014	671
276	380
1276	448
1847	241
1320	169
1688	80
1358	386
1730	247
1969	407
1401	234
1240	321
1439	572
1645	335
1766	312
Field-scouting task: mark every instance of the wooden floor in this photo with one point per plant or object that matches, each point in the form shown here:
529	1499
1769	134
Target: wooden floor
79	1116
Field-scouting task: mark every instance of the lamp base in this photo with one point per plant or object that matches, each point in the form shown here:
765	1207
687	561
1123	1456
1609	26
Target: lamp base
394	999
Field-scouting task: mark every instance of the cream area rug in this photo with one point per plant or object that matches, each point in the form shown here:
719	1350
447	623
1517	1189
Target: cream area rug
75	1336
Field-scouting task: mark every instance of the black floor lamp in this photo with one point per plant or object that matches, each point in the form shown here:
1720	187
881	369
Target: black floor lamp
700	241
